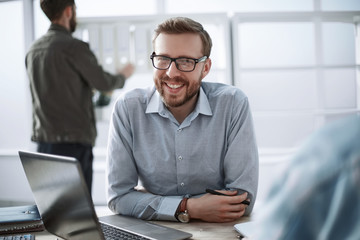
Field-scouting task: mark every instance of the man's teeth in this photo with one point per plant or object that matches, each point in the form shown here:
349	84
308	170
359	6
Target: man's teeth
174	86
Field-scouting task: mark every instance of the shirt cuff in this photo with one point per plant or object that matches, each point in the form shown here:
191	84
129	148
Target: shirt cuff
168	208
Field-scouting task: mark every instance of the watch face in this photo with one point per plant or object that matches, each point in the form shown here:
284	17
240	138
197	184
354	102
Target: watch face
184	217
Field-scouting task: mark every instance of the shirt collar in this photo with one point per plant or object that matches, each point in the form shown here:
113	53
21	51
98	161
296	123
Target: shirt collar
57	27
156	105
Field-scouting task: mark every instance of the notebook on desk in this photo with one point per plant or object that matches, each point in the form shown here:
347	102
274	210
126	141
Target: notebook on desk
66	207
20	219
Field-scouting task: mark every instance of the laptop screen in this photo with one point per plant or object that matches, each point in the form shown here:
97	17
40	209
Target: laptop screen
61	195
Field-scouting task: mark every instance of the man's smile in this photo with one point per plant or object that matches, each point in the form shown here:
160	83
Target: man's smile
174	86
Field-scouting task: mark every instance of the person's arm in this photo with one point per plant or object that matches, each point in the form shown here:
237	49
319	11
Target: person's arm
122	177
240	172
86	65
241	164
215	208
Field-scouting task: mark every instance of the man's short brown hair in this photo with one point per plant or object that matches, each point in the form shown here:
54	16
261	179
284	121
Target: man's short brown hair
178	25
54	8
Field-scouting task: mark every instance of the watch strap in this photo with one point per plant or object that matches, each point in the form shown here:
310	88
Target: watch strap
182	207
183	204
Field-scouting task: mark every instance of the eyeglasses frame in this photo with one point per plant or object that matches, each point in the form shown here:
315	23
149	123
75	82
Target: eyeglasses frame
196	60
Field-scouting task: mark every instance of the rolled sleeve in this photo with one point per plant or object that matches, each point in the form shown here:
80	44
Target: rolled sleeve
168	208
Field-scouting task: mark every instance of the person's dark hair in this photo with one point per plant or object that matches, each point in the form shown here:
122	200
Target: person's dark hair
54	8
178	25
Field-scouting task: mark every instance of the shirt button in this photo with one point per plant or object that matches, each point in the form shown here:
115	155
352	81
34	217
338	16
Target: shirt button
179	130
182	184
180	158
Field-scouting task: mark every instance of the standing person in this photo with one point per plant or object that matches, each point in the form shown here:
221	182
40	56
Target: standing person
181	137
63	73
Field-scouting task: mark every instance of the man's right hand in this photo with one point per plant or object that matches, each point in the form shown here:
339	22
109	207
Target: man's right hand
216	208
127	70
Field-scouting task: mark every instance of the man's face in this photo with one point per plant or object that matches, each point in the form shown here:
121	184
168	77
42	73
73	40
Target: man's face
73	20
176	87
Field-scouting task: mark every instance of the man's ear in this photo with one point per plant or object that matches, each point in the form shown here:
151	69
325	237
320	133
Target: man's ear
206	68
68	11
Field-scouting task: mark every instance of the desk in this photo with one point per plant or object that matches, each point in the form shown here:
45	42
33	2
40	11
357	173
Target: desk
210	231
200	230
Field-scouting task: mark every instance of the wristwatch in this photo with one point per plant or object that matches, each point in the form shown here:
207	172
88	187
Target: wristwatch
182	214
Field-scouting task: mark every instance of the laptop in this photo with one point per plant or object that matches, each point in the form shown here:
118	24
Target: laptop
66	206
246	229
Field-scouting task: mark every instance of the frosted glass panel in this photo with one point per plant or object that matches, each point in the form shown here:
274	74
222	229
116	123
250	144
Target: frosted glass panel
340	5
212	6
41	22
275	5
108	50
95	8
142	47
15	100
217	76
331	118
276	44
340	88
282	131
280	90
218	51
338	43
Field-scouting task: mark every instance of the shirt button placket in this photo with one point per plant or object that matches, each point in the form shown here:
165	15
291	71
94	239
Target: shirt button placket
180	159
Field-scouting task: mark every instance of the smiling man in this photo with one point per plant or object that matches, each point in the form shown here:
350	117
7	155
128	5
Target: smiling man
182	137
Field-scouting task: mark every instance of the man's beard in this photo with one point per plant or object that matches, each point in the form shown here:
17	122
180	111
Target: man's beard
73	20
72	24
171	101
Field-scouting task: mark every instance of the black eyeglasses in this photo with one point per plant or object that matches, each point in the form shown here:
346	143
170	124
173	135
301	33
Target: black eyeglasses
183	64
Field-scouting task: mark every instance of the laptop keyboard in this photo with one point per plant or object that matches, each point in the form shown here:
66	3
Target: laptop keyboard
112	233
18	237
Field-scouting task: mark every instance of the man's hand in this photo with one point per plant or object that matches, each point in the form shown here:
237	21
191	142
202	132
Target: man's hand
127	70
216	208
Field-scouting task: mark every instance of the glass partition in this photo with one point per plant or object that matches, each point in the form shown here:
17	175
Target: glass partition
15	107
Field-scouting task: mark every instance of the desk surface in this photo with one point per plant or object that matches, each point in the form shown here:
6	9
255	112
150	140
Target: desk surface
199	230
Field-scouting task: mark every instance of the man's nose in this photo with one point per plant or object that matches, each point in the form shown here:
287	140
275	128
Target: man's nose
172	71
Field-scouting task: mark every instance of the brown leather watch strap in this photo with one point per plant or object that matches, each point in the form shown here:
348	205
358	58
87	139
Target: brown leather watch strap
183	204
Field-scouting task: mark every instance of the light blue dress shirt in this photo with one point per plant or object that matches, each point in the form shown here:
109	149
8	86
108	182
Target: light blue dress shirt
319	196
214	147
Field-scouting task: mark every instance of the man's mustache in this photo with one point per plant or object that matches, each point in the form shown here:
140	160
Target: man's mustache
175	79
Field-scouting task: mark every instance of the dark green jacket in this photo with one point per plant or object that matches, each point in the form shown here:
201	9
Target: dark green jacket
63	72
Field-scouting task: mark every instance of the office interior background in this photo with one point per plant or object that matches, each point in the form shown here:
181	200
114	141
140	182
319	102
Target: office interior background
297	61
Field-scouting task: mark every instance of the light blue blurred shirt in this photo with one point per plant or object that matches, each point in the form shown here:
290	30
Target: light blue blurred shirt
319	196
214	147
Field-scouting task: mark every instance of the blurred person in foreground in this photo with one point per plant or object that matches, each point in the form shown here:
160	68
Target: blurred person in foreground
318	197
